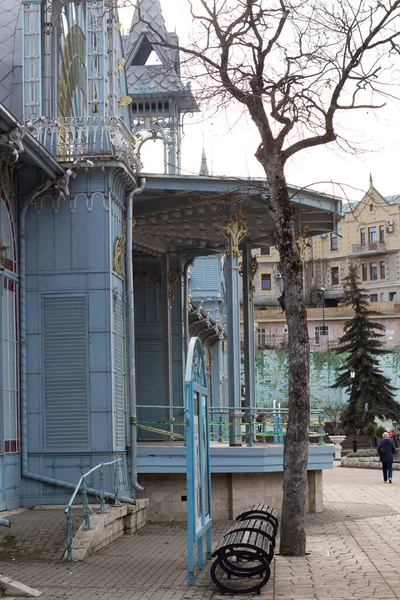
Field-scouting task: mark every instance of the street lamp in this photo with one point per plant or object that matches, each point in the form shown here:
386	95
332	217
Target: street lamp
353	376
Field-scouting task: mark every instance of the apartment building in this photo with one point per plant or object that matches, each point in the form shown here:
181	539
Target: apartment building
369	236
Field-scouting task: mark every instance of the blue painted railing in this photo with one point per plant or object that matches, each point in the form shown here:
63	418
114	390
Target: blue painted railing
255	425
81	488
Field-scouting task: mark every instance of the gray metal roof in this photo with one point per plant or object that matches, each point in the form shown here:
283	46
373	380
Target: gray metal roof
349	207
393	199
34	153
155	79
148	22
11	43
183	214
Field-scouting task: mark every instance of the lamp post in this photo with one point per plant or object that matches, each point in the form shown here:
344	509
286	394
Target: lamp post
322	290
353	376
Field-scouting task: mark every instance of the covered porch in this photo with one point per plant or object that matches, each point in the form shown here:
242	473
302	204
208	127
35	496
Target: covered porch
176	220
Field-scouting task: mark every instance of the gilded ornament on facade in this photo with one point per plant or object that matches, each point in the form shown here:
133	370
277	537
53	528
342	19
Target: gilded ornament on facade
3	252
253	271
234	230
156	277
119	255
173	279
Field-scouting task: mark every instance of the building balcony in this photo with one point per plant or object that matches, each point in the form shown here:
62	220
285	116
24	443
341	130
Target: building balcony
101	138
376	248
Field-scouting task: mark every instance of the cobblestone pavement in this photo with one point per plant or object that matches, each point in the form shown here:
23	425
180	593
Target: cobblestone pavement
36	534
352	548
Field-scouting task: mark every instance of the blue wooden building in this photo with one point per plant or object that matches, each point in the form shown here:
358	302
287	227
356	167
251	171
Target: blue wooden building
95	255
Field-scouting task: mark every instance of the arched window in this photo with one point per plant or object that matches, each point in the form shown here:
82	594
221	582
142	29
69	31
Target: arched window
9	334
72	60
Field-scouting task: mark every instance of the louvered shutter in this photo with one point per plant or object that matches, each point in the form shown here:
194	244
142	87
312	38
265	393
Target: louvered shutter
65	371
150	387
119	372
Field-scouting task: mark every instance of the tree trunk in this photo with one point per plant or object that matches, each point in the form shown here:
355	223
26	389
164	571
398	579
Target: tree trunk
295	458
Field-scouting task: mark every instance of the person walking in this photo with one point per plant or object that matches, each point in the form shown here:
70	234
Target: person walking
386	450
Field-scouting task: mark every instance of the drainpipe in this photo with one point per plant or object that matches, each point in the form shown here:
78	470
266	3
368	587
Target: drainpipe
23	392
131	333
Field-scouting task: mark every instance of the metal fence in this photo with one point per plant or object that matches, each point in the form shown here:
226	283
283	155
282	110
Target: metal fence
246	426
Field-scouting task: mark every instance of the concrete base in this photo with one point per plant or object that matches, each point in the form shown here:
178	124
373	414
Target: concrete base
231	493
11	588
108	527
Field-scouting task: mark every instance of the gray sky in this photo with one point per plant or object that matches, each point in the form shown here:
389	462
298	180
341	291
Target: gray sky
230	140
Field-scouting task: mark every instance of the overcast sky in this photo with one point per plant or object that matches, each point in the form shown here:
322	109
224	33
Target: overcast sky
230	140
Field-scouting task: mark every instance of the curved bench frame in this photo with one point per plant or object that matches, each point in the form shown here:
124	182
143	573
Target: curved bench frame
244	552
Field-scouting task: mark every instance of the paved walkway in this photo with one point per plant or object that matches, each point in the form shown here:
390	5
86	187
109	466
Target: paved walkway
353	554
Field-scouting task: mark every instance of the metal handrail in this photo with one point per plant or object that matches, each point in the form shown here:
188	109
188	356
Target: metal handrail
86	510
250	424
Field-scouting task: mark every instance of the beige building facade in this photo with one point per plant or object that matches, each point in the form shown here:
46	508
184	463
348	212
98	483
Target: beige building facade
368	235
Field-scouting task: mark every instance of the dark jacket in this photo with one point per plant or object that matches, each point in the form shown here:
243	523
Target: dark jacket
388	449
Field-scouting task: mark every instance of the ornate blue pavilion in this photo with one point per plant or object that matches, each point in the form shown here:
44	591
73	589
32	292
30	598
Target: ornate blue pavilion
95	253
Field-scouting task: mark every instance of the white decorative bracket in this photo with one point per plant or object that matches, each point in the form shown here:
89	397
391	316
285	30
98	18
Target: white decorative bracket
13	139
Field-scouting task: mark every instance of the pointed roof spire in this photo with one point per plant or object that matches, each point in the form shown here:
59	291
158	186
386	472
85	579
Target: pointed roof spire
148	28
204	166
371	182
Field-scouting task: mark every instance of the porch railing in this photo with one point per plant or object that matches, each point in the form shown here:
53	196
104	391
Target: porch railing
242	425
70	138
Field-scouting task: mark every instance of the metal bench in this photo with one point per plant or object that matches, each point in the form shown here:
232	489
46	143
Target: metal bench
244	552
262	512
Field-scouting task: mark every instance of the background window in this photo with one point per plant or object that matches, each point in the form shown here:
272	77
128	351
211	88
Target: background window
334	241
364	271
392	296
321	330
265	250
335	276
373	271
266	281
262	338
374	297
383	269
362	236
372	235
381	233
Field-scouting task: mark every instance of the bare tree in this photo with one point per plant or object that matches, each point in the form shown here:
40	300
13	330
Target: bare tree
294	65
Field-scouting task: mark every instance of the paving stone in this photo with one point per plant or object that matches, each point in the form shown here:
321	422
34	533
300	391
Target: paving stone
353	553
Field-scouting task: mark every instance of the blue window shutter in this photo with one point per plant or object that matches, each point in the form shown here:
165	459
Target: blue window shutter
66	371
119	373
205	276
150	386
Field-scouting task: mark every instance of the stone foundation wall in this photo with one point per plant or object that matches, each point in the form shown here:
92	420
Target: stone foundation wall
364	462
109	526
231	493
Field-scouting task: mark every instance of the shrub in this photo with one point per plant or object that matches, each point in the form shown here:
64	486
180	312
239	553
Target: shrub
380	431
370	430
362	453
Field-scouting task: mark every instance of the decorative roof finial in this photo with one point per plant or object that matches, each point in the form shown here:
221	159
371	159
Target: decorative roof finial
203	166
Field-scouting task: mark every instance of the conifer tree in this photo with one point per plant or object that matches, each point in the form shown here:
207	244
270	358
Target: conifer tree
370	391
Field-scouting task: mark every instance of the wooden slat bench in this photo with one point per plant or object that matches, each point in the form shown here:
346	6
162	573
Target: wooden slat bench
263	512
243	556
